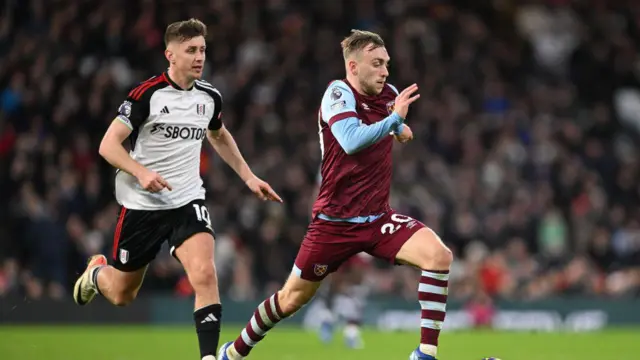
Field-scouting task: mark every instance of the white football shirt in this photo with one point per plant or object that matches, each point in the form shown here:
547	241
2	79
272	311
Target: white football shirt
168	127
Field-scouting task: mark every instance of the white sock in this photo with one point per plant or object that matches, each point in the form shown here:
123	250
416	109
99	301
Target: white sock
429	349
209	357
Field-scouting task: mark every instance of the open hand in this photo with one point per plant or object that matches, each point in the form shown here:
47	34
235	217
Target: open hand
404	99
262	190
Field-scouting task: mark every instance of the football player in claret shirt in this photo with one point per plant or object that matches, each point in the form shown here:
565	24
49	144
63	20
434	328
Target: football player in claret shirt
158	183
345	295
351	213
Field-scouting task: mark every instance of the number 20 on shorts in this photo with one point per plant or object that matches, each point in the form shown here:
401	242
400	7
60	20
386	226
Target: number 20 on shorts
398	221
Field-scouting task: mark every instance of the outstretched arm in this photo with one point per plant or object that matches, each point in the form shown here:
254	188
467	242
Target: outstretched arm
222	141
225	145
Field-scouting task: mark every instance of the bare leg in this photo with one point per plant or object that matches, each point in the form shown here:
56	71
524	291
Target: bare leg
196	256
118	287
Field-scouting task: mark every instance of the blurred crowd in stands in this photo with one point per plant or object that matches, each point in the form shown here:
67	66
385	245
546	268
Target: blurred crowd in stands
526	159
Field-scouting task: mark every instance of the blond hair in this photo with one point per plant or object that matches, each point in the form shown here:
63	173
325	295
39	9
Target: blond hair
359	40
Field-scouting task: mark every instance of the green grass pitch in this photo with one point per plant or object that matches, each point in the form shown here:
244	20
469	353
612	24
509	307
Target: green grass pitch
286	343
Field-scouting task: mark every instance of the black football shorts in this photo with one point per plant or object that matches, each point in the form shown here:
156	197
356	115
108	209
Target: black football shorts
139	234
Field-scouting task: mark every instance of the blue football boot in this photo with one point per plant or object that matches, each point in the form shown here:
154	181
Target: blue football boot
418	355
222	353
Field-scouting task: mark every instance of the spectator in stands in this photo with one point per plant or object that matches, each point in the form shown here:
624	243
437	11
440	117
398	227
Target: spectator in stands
526	136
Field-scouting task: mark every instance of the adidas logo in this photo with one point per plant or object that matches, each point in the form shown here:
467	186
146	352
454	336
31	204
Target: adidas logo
209	318
165	110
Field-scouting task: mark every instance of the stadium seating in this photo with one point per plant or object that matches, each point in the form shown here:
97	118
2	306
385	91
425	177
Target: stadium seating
525	159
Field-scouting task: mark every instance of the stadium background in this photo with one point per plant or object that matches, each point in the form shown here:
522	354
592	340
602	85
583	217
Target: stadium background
525	159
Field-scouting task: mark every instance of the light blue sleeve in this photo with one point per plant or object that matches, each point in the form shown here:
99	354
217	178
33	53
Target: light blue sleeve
338	103
354	136
398	131
339	111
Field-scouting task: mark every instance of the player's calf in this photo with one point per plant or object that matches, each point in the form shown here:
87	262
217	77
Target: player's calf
294	295
119	287
426	251
196	256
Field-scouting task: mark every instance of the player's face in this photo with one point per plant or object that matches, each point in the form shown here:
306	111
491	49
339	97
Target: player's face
190	56
373	69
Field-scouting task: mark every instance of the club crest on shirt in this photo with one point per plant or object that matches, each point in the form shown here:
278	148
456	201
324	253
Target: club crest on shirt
200	109
391	105
320	269
336	93
124	256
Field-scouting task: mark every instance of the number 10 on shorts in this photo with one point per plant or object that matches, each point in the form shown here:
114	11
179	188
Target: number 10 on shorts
202	214
398	221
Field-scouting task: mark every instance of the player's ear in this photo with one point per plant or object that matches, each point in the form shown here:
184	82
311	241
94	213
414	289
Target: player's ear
170	54
352	65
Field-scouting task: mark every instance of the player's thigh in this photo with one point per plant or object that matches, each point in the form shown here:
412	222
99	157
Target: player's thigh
425	250
405	240
138	237
325	247
192	242
401	239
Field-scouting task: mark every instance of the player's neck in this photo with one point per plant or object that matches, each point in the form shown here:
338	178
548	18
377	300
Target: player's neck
356	85
183	81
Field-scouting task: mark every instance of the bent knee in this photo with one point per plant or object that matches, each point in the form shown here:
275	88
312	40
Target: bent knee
436	255
202	275
444	257
440	258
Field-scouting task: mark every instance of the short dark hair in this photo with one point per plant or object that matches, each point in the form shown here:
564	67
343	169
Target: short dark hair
184	30
358	40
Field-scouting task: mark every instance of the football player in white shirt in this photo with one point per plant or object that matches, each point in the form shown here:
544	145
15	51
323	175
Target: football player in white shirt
159	186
